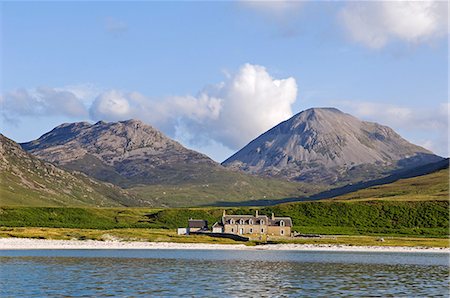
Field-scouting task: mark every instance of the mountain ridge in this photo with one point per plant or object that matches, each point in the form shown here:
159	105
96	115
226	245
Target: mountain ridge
315	150
326	145
116	152
154	168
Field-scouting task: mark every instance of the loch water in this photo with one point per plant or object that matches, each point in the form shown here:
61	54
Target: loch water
221	273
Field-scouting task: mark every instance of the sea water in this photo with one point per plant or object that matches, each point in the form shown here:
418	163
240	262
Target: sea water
221	273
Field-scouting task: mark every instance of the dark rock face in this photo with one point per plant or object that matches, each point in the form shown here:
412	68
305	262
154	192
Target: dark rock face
125	153
327	145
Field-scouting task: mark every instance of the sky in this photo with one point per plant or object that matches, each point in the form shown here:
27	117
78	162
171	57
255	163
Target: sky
215	75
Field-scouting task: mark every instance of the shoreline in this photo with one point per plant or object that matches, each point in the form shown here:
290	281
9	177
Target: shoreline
44	244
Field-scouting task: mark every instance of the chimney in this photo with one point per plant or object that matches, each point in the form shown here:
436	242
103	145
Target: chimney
224	213
273	216
256	213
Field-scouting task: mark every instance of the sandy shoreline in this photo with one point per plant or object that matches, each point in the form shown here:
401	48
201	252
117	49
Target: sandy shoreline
29	244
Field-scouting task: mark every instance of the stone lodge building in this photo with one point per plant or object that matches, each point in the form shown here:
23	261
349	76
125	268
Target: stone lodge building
254	224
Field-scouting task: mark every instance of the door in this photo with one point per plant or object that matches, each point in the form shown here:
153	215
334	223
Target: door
241	231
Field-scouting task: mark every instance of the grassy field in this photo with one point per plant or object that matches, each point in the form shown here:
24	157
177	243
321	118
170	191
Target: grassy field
386	218
165	235
434	186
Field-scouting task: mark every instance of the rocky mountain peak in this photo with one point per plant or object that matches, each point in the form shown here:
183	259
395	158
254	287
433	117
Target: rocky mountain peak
114	149
325	144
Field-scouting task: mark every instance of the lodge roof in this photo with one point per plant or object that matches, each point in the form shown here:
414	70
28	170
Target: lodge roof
217	225
197	223
276	221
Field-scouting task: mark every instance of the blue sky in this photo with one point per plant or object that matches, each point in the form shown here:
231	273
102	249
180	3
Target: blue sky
216	75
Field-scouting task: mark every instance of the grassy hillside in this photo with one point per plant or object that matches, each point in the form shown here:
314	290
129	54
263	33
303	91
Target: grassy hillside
197	185
413	218
28	181
222	187
434	186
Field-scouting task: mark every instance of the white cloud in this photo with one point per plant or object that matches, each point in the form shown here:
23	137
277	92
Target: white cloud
232	112
375	23
197	108
252	102
86	92
111	105
42	101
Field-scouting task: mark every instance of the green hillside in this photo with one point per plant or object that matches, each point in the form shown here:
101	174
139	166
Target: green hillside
434	186
28	181
413	218
222	187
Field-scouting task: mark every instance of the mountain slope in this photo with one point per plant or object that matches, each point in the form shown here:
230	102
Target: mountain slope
153	167
125	153
429	187
28	181
329	146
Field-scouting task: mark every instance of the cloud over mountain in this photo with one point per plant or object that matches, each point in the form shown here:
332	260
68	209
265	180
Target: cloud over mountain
110	105
231	112
251	101
42	101
376	23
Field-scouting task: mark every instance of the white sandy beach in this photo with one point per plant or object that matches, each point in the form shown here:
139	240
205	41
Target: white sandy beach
27	244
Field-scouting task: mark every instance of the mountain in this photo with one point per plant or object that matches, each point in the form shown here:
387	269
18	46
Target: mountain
125	153
426	182
28	181
153	167
325	145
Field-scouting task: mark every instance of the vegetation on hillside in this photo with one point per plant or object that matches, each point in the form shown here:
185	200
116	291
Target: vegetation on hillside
434	186
419	218
221	188
28	181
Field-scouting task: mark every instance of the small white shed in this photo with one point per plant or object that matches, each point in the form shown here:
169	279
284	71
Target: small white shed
217	228
183	231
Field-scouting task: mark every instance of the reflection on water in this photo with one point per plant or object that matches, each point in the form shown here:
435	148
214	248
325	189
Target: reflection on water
223	273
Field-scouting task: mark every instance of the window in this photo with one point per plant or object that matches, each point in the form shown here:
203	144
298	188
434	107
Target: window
282	223
231	221
250	221
241	221
262	230
282	232
251	231
262	221
232	230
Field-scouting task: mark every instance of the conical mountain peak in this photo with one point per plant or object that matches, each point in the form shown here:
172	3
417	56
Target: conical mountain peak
325	144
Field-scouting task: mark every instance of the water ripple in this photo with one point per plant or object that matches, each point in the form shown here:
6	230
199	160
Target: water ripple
37	276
